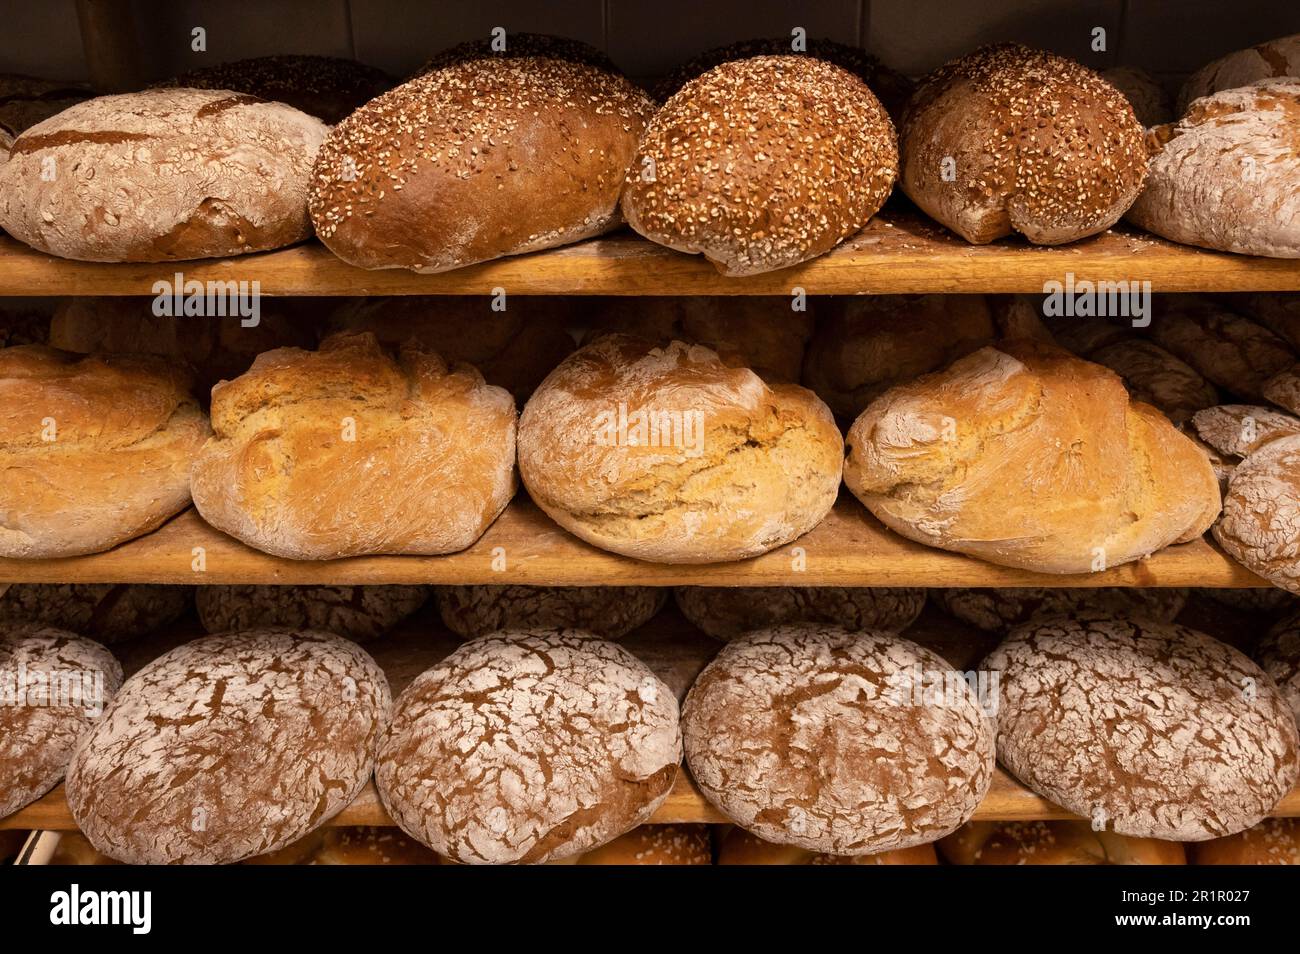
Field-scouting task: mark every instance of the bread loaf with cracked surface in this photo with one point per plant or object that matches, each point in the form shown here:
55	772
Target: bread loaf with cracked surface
725	612
608	611
106	612
361	613
1279	57
1261	511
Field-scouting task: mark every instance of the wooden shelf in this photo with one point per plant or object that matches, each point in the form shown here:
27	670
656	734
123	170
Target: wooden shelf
849	548
898	252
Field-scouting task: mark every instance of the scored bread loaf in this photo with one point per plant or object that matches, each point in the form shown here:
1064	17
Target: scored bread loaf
996	610
1261	511
1278	654
1053	843
610	612
94	450
106	612
1010	139
762	163
1238	430
739	847
162	175
1274	841
345	451
1148	98
1279	57
1027	456
361	613
725	612
668	454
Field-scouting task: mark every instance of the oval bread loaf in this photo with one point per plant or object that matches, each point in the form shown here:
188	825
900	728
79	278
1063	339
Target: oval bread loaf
1278	654
106	612
1261	511
996	609
361	613
1280	57
725	612
610	612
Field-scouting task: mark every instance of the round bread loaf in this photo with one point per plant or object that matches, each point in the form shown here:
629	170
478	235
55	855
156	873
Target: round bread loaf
1086	335
528	747
667	454
1223	176
1156	377
1279	312
1027	456
1147	729
610	612
762	163
1261	511
1278	654
1274	841
1009	139
1150	102
480	158
347	845
1267	600
229	746
94	450
360	613
518	46
1231	351
821	738
739	847
725	612
1283	389
56	685
1238	430
655	845
1280	57
996	610
1053	843
26	100
106	612
346	451
162	175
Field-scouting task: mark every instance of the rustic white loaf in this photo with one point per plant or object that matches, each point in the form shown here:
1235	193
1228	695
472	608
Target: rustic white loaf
1280	57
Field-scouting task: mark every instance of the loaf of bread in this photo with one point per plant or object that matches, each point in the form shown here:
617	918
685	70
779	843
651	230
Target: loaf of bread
1142	727
1279	313
1150	102
27	100
762	163
1223	176
1009	139
1280	57
162	175
739	847
610	612
996	610
93	450
1278	654
74	848
1154	376
1053	843
725	612
229	746
866	344
518	45
480	158
655	845
361	613
106	612
1027	456
668	454
346	451
1268	601
347	845
1274	841
1261	511
529	747
1238	430
1083	336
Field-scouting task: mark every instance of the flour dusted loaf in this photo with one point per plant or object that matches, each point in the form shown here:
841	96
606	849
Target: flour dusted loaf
1238	430
725	612
529	747
1147	729
608	611
38	730
1274	841
479	158
346	450
1278	654
739	847
229	746
996	610
106	612
94	450
1261	511
361	613
1280	57
818	737
162	175
723	465
1027	456
1009	139
1223	176
762	163
1053	843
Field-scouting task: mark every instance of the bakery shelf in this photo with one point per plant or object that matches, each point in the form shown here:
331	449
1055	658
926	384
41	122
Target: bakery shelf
899	252
849	548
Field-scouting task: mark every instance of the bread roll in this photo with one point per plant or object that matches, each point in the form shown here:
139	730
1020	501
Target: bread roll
762	163
229	746
867	344
1053	843
26	100
56	685
1238	430
480	158
1142	727
1154	376
1274	841
656	845
1026	456
816	737
610	612
93	450
725	612
1231	351
739	847
1223	177
361	613
106	612
346	451
667	454
1009	139
996	610
1261	511
529	747
1144	93
1278	654
162	175
1280	57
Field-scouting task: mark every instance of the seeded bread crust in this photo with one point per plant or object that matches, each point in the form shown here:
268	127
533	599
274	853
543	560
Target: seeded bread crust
1053	843
1274	841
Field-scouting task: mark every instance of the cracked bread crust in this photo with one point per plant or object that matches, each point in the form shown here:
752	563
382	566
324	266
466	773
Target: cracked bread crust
761	469
229	746
529	747
1154	729
792	732
725	612
610	612
360	613
1260	527
107	612
1238	430
37	740
1278	654
995	610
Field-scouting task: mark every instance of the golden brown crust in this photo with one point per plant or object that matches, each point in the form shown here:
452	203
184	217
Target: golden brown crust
1274	841
1053	843
656	845
739	847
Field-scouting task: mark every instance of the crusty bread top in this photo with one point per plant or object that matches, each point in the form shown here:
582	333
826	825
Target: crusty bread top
521	46
1279	57
1147	97
27	100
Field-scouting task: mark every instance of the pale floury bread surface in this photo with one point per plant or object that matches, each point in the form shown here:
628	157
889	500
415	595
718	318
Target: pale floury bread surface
1009	139
162	175
94	450
480	158
1027	456
1280	57
1223	177
762	163
1278	654
430	462
1261	512
735	466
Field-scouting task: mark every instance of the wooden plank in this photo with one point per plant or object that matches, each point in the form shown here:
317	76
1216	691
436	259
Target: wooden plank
898	252
849	548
